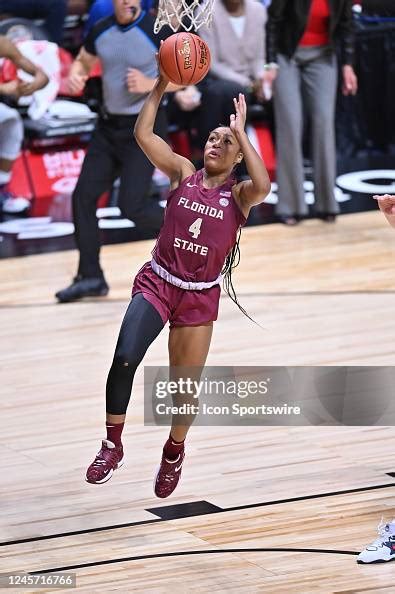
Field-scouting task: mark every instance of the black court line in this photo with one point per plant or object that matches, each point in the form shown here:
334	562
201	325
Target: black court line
307	497
220	510
390	474
185	553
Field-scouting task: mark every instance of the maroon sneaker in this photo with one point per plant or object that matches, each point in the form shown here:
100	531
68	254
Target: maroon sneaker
168	475
108	459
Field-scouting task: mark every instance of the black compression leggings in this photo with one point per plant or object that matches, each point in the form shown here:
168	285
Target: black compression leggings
140	326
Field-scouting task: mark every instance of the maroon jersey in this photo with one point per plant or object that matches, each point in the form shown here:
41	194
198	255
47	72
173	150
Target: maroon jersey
199	229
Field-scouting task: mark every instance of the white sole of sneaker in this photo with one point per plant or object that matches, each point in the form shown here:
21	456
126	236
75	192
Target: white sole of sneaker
107	478
376	561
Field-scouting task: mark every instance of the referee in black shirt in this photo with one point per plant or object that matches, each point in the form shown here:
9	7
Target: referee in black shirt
126	46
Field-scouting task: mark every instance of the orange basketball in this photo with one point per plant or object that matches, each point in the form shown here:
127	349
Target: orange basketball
184	58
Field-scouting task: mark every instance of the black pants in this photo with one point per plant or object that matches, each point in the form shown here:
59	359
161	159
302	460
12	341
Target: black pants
217	104
113	152
140	326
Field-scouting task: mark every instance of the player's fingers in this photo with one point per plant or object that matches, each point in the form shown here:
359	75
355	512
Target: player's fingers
243	104
384	197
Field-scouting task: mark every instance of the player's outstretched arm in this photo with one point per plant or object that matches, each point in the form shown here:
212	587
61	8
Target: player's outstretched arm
387	206
157	150
254	190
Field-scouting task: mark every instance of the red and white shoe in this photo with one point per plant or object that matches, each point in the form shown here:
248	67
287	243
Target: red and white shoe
168	475
108	459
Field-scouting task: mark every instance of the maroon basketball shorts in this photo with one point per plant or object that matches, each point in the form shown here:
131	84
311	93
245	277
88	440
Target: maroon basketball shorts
178	306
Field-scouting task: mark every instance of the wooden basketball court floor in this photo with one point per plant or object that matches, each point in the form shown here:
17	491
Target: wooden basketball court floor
259	510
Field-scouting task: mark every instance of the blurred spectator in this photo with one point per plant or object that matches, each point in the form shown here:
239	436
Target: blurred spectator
301	42
52	11
11	127
236	39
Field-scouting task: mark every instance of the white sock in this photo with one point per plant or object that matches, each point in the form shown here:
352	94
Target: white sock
5	177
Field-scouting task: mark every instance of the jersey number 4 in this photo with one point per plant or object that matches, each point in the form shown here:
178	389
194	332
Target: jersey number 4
195	228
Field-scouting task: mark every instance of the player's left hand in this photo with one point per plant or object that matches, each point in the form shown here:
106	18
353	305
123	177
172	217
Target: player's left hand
238	120
386	203
137	82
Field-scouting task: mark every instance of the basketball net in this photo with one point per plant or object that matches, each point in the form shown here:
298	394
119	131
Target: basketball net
187	14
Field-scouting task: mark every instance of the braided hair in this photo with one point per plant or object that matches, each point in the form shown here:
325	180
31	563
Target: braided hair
233	260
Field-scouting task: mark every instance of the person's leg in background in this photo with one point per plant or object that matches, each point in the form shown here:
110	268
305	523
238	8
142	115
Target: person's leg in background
52	11
216	105
320	86
11	138
288	117
141	325
188	348
96	177
136	177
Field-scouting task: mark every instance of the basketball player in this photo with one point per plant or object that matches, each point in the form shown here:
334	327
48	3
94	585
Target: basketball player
383	548
199	238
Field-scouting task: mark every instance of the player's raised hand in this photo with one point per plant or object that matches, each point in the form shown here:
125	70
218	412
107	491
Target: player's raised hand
386	203
238	119
162	76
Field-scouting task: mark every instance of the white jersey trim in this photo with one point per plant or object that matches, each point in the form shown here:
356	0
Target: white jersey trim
181	284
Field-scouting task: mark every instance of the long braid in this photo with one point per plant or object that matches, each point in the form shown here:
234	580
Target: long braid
233	260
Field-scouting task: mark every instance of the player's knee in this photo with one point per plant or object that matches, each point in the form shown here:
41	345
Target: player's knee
128	361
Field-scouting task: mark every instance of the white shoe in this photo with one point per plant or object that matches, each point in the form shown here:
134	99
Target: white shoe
12	204
383	548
